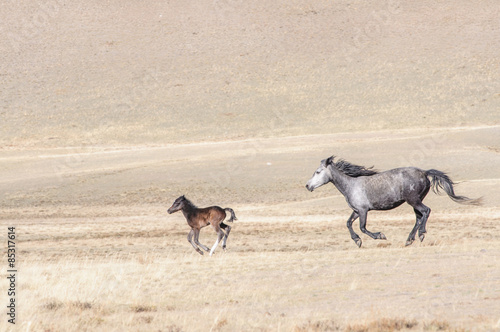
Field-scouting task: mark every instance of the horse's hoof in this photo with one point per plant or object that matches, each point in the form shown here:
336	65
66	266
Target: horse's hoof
224	248
422	237
408	243
358	242
200	252
382	237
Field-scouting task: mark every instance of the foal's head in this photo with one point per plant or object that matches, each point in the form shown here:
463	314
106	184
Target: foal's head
321	176
178	204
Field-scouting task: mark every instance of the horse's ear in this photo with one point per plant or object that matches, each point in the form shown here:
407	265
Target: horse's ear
329	160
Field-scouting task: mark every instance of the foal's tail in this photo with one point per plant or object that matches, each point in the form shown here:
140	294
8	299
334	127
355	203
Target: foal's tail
233	216
441	180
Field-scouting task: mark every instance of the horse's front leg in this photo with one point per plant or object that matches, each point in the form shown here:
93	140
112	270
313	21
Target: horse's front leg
196	240
190	240
354	236
362	226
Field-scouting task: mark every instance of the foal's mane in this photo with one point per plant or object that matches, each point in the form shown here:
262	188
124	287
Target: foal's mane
189	203
353	170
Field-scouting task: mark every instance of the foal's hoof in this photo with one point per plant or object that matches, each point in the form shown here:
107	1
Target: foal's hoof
358	242
382	237
421	237
408	243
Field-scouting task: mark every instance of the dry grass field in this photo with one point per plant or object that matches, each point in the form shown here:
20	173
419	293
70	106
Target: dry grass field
304	274
97	250
111	110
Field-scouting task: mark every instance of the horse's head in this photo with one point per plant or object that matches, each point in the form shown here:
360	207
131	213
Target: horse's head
321	176
178	205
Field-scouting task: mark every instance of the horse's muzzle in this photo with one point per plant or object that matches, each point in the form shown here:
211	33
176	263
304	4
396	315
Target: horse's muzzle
309	188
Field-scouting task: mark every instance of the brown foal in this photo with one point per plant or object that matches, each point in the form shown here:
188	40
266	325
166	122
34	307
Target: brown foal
198	218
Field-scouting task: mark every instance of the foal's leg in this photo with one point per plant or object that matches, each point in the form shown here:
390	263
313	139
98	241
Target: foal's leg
422	212
196	237
362	226
227	229
354	236
220	235
190	239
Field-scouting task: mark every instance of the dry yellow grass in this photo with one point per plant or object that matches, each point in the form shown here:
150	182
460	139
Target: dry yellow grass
102	275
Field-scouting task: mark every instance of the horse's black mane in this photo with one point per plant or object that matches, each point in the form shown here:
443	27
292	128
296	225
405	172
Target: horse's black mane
187	201
353	170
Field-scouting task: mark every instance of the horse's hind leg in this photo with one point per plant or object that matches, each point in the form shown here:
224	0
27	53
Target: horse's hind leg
220	235
227	230
190	240
422	214
418	223
362	226
422	230
196	240
423	223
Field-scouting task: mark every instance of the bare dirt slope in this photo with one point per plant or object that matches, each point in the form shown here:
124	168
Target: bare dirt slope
111	110
165	72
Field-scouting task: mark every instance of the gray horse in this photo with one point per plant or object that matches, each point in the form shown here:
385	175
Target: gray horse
365	189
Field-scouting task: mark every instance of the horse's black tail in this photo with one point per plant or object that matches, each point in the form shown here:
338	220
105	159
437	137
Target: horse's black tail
233	216
441	180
